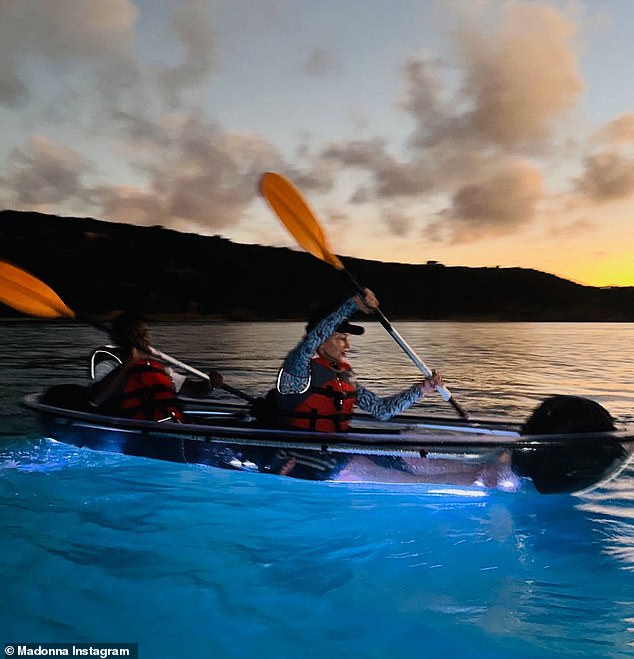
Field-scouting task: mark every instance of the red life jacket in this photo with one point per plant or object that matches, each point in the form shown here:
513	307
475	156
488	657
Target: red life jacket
327	404
147	394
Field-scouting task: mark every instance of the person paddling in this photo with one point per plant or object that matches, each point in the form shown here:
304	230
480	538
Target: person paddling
131	382
317	388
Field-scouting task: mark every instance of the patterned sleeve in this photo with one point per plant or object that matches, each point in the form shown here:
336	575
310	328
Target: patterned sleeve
384	408
295	374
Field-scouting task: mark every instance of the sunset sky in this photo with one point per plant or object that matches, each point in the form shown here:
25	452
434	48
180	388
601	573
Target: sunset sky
470	132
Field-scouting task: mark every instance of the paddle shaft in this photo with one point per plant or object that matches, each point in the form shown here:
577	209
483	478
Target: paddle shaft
175	362
159	354
409	351
194	371
171	360
293	211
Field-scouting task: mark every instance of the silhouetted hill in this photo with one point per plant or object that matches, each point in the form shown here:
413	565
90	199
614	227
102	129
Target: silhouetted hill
98	267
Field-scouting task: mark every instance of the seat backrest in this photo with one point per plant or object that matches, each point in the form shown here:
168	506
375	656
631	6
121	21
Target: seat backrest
104	354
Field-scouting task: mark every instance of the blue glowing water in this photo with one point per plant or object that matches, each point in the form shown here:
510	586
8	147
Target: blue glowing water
194	562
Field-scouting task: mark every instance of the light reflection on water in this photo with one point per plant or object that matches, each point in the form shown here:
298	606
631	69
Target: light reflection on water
95	544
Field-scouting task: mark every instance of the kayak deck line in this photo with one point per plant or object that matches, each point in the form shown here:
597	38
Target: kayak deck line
411	435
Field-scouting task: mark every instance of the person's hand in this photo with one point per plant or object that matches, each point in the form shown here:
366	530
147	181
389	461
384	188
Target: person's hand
429	384
201	388
367	302
215	380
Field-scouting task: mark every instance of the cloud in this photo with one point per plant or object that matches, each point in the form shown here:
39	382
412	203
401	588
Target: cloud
131	205
398	222
194	30
618	131
321	63
497	205
364	154
516	81
44	173
472	119
13	90
199	178
425	100
194	175
392	178
58	31
139	130
607	176
522	78
319	177
583	225
497	96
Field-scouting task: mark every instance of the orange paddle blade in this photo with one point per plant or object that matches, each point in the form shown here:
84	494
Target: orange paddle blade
289	205
23	292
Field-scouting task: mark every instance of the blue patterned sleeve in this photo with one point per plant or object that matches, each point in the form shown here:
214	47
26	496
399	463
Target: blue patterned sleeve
295	374
385	408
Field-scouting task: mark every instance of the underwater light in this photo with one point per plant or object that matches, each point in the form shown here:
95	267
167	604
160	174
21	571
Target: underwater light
468	493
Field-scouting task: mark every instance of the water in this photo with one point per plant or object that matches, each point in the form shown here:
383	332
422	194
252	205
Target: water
193	562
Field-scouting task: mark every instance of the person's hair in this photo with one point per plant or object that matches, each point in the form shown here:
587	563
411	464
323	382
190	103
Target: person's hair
123	325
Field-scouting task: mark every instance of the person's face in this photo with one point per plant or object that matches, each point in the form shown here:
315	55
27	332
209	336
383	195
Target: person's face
141	337
335	349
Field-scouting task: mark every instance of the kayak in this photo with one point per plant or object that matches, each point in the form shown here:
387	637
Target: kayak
568	445
573	456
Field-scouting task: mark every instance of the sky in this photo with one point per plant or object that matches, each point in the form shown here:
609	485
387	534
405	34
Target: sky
477	133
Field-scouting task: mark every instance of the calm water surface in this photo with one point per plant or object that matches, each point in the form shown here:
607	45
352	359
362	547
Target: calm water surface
193	562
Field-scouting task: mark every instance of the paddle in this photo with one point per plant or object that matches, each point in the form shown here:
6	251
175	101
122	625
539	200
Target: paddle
289	205
24	292
194	371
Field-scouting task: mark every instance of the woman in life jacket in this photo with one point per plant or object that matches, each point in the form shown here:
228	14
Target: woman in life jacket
317	388
134	384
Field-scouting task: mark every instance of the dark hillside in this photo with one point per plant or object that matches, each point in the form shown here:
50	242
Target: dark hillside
98	267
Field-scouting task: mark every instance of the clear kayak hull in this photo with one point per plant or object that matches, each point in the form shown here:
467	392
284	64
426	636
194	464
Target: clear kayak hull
490	454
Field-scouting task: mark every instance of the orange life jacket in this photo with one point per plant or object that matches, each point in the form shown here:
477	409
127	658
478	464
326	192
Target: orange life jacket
147	394
327	404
